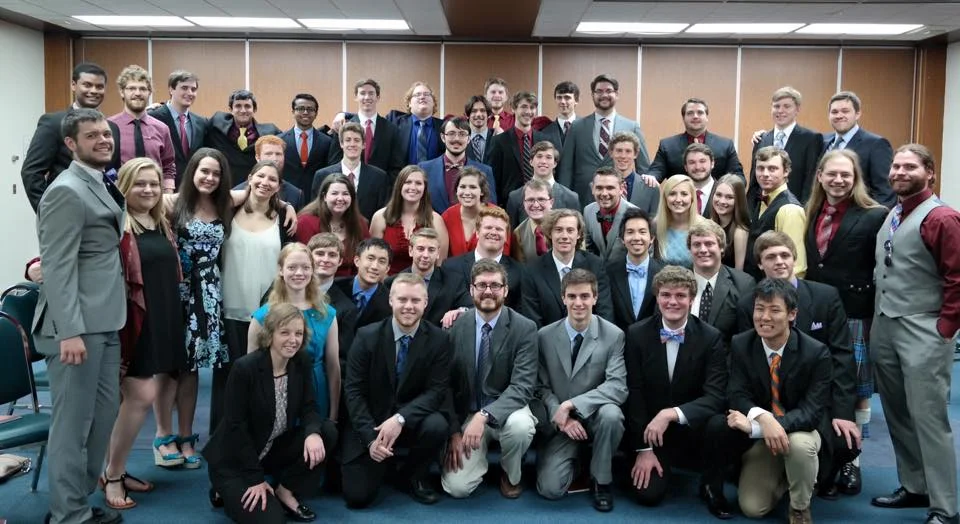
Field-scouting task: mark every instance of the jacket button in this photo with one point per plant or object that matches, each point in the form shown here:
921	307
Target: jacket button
820	265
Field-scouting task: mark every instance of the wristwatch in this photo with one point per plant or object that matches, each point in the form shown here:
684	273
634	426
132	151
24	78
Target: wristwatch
485	413
400	419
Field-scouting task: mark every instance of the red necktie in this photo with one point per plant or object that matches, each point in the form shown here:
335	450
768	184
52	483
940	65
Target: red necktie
700	201
775	386
541	240
184	143
303	148
826	228
367	141
352	178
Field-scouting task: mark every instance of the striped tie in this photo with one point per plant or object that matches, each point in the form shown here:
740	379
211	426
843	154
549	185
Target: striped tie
775	386
477	145
604	136
525	165
421	141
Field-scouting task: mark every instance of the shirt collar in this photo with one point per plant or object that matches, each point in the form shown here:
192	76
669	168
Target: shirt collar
326	286
176	114
398	333
345	169
363	120
572	333
644	264
612	116
848	136
561	120
707	189
95	173
357	289
702	282
492	321
769	351
910	203
776	192
476	256
840	206
680	329
609	212
560	265
786	131
447	163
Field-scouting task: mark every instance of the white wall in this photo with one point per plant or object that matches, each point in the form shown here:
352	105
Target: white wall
949	168
23	92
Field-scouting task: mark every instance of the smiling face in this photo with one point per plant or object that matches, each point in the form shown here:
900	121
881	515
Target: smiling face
272	152
565	235
492	234
770	173
537	203
695	119
264	182
185	93
707	253
566	104
496	96
338	198
724	199
372	265
88	90
843	116
637	237
579	299
421	102
297	270
304	112
698	166
455	139
674	303
836	178
412	188
604	96
352	144
424	252
326	261
777	262
624	157
242	111
771	318
525	111
784	112
93	145
908	176
544	163
287	338
679	200
478	116
489	292
408	302
207	177
606	191
145	192
468	191
135	96
367	99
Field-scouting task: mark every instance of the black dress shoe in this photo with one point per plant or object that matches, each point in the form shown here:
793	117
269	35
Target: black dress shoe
828	491
602	497
101	516
849	481
303	513
421	492
938	518
716	502
901	498
215	499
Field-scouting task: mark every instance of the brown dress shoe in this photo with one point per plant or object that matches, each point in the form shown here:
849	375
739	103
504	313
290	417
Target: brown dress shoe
508	490
800	516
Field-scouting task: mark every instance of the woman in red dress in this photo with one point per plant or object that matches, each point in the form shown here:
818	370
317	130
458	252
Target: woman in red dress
335	211
473	192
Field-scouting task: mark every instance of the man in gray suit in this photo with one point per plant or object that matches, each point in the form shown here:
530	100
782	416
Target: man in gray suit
582	383
642	191
82	304
587	146
604	215
492	376
543	158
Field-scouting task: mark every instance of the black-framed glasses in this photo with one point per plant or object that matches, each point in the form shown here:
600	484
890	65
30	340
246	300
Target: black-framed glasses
493	286
303	109
888	258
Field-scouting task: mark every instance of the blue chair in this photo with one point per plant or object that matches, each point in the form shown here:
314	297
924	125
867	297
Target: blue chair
16	382
20	302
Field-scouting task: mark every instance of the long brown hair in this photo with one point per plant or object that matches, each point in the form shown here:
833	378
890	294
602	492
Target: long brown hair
278	292
189	199
351	217
858	195
741	217
126	177
394	209
273	206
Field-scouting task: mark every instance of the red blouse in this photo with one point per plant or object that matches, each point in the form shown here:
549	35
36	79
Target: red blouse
309	225
458	242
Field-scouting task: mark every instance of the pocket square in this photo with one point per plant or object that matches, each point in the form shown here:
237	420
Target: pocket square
816	326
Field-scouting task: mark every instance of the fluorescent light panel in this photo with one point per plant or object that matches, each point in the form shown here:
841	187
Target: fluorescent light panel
131	21
239	22
743	29
858	29
629	27
344	24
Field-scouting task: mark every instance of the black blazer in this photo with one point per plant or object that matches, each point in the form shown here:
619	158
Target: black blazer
804	147
542	300
462	264
850	258
376	310
375	393
820	315
804	379
505	160
404	121
554	134
372	193
346	322
699	385
876	155
321	154
732	286
620	293
235	446
198	131
445	291
240	161
669	158
386	154
486	149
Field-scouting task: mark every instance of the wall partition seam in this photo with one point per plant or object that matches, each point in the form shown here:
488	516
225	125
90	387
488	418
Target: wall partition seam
343	75
443	77
246	63
540	79
150	65
639	78
736	100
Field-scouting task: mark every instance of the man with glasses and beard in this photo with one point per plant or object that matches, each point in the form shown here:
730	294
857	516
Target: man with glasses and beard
443	171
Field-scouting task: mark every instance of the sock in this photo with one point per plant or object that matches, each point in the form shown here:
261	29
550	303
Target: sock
862	417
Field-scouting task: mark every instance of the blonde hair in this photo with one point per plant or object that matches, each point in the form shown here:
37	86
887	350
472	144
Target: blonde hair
134	73
409	95
664	219
858	194
279	316
278	292
126	177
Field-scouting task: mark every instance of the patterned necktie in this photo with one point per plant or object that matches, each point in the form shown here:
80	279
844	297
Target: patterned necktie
837	143
360	300
775	386
482	363
525	157
671	335
566	128
895	220
242	138
496	121
477	145
184	139
304	153
604	136
367	141
421	141
402	354
563	271
541	240
604	217
826	228
140	150
352	178
577	344
706	301
639	273
700	201
781	140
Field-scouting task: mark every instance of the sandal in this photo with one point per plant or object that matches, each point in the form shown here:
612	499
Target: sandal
194	461
168	460
102	482
127	501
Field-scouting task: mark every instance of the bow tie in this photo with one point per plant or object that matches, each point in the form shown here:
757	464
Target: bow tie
455	166
640	271
601	217
667	335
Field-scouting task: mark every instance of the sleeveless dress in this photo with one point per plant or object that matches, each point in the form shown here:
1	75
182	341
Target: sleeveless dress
200	293
400	246
675	250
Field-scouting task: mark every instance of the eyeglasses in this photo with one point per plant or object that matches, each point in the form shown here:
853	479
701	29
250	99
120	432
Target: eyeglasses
888	258
301	109
602	92
483	286
539	201
455	134
421	95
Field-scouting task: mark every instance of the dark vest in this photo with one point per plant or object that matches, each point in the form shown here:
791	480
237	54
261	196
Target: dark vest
760	224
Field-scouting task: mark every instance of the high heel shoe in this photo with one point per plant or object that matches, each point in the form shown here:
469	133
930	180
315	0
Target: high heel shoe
194	461
167	460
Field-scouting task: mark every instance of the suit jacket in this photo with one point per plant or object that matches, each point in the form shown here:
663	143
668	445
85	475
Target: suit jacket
669	158
346	321
506	160
599	376
606	247
876	155
321	154
804	147
620	292
510	375
486	149
377	309
404	121
289	193
644	197
820	315
198	130
732	286
804	379
850	259
373	390
445	291
542	300
462	264
79	227
554	134
438	186
699	383
240	161
580	158
235	446
563	198
386	154
372	192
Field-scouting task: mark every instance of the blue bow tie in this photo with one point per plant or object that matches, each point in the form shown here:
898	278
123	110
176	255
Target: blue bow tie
641	271
666	335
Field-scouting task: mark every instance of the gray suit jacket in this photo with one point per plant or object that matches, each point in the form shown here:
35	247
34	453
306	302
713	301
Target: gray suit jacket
606	247
563	198
580	158
79	226
599	376
645	197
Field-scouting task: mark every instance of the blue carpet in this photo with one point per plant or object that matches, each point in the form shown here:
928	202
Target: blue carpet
181	495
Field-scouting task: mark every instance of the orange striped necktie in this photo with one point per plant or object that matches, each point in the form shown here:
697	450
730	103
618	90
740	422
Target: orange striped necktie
775	386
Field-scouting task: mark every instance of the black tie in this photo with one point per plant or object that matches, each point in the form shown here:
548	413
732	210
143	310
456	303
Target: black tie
139	149
113	191
577	343
706	300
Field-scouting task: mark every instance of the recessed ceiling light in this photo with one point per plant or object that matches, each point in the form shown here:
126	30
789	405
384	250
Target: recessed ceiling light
345	24
231	21
743	29
647	28
129	21
858	29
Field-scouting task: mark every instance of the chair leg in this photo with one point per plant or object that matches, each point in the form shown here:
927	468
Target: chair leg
36	471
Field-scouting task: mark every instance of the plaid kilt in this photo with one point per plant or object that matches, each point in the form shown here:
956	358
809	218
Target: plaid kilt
859	336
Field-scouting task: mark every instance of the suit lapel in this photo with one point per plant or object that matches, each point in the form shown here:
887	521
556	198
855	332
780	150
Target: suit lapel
468	351
265	381
804	307
611	238
849	221
510	136
565	347
762	365
550	275
719	294
621	286
389	352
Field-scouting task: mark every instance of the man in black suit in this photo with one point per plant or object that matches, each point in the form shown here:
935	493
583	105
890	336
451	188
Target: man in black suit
567	95
397	377
874	151
698	164
446	290
674	387
381	138
373	193
235	133
308	149
670	161
543	158
631	278
477	109
719	288
366	290
187	129
802	144
542	301
512	150
419	131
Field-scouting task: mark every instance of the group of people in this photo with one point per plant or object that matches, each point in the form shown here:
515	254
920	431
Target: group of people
434	285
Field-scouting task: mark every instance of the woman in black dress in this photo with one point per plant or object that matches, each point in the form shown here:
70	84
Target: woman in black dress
151	342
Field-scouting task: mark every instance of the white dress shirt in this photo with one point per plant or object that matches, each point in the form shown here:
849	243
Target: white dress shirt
701	285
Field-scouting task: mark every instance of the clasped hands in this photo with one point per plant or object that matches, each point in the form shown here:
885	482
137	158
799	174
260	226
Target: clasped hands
774	435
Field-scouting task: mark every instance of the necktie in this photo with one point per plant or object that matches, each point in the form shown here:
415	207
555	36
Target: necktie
112	189
623	189
496	121
775	386
140	149
566	128
525	157
895	221
242	138
604	136
184	139
700	201
670	335
360	300
477	145
577	344
304	153
635	276
826	228
541	240
421	141
837	143
367	141
353	178
706	300
781	140
402	354
563	271
482	363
